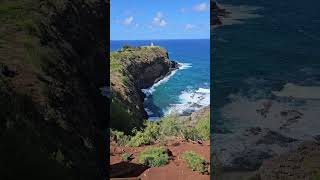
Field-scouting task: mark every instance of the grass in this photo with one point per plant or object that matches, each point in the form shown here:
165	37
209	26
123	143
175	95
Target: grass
154	157
125	157
194	161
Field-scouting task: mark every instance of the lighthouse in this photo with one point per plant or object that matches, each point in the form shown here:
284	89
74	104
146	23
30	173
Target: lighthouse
151	44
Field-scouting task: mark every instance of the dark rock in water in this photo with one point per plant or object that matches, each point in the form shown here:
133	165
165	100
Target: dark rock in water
175	65
273	137
302	163
251	159
254	130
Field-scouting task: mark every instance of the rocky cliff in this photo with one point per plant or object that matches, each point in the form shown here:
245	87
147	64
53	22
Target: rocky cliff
133	69
217	13
52	65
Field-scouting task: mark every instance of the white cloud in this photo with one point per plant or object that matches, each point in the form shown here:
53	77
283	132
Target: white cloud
128	20
158	20
189	26
182	10
201	7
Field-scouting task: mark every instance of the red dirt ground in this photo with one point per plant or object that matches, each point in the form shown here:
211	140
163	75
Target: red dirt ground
176	169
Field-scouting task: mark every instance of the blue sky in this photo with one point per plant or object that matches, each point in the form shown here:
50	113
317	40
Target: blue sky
159	19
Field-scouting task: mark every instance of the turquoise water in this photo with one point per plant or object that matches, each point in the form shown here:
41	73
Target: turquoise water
277	52
186	89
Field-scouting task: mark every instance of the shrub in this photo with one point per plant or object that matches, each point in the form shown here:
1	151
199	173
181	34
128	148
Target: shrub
146	136
154	157
126	47
171	126
203	128
118	137
194	161
125	157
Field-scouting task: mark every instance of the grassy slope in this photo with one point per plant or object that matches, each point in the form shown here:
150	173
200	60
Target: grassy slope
35	134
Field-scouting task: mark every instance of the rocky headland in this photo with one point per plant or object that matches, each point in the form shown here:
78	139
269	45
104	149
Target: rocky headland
133	69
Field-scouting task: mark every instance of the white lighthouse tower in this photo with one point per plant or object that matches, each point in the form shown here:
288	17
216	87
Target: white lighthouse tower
151	44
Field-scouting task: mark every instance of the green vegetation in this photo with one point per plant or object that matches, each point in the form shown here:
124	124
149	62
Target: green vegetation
194	161
119	137
154	157
119	116
125	157
170	126
201	131
203	128
147	136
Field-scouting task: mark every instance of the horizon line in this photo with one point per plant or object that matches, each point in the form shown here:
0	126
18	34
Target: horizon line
157	39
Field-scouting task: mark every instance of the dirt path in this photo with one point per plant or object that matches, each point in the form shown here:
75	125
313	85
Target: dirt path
176	169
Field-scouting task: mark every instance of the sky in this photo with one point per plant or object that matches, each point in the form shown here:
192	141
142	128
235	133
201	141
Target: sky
159	19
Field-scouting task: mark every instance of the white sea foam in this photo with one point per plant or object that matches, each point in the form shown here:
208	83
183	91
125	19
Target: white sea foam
153	87
241	113
296	91
185	65
189	101
165	79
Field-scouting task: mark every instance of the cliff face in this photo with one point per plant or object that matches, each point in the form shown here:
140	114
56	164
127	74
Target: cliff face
217	13
52	65
133	69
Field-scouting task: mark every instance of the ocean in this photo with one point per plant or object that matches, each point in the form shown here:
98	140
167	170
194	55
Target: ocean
185	90
272	58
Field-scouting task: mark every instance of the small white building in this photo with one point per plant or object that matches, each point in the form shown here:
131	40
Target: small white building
151	44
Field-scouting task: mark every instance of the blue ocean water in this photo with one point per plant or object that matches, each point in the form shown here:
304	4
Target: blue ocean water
278	50
186	89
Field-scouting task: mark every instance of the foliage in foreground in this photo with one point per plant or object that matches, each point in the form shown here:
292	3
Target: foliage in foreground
167	127
146	136
125	157
154	157
194	161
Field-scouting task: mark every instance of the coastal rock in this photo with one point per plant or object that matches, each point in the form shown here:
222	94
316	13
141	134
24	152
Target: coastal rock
247	150
141	67
302	163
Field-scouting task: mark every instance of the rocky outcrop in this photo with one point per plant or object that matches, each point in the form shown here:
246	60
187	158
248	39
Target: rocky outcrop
52	64
133	69
303	163
247	150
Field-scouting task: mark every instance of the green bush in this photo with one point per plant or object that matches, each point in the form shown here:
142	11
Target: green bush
194	161
203	128
146	136
125	157
118	137
154	157
171	126
190	133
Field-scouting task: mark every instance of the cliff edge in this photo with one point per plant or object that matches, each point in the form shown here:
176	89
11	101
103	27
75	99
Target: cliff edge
133	69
